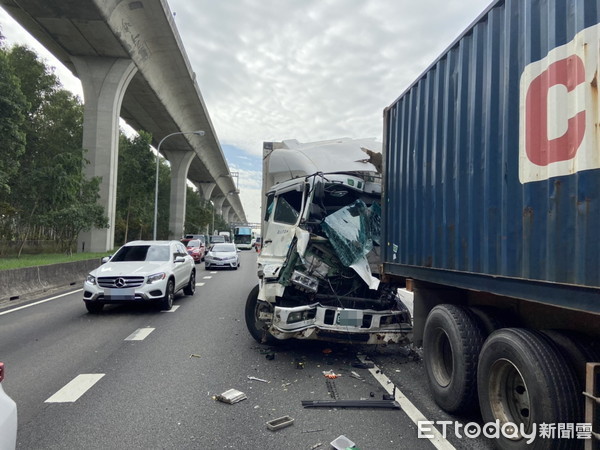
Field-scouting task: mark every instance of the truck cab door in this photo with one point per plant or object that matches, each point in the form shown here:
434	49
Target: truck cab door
281	220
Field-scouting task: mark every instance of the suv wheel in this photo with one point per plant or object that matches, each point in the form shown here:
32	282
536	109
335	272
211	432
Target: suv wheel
191	286
94	307
166	303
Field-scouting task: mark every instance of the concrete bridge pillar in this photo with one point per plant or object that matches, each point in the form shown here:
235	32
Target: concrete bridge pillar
206	189
218	202
104	82
225	210
180	165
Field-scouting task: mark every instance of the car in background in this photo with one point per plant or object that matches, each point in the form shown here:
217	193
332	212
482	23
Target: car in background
196	248
216	239
8	417
222	255
142	272
258	244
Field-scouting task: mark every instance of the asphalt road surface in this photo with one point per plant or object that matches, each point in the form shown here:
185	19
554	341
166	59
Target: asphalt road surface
134	377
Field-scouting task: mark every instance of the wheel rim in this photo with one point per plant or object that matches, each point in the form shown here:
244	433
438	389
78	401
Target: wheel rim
509	396
261	307
170	294
442	362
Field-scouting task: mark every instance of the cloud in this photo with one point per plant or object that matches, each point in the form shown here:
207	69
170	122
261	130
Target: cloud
310	70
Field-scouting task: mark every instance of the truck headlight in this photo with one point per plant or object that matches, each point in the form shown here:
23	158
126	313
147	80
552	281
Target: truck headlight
304	282
156	277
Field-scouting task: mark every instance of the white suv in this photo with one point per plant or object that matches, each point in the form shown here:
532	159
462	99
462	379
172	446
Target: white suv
141	272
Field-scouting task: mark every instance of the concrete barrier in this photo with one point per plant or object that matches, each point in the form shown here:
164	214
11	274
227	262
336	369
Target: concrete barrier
32	281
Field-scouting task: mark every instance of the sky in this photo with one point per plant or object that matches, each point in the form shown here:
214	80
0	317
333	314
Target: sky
310	70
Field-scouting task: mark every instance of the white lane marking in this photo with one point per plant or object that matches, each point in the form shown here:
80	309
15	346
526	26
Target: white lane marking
140	334
207	278
213	272
173	309
40	302
411	410
75	388
200	284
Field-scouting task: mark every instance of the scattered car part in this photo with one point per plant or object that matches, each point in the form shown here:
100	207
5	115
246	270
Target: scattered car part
231	396
351	404
281	422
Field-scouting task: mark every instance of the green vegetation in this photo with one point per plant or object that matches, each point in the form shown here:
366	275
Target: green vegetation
43	260
45	197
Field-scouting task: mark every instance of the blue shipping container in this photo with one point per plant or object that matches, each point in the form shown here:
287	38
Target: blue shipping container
492	158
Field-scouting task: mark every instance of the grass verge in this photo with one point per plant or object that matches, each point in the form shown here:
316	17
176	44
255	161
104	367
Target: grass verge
11	262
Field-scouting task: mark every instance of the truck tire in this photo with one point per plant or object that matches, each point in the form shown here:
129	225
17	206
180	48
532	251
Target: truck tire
577	349
524	380
452	340
166	303
257	327
190	288
491	319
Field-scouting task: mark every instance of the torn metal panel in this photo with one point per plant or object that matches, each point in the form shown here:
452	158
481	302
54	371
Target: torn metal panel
350	231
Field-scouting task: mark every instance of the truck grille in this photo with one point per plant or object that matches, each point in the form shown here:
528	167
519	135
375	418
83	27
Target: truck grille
120	282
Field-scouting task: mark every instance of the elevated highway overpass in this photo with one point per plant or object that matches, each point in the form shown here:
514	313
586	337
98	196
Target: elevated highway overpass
131	63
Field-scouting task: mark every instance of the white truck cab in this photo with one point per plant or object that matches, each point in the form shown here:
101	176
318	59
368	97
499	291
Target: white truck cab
320	246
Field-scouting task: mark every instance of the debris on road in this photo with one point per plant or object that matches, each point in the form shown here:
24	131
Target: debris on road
343	443
257	379
353	374
331	374
193	355
363	365
351	404
317	445
313	431
231	396
281	422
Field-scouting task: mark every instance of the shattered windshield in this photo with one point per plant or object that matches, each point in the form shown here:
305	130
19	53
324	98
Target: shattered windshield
288	207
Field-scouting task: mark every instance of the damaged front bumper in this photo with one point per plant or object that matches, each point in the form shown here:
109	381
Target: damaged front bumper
318	322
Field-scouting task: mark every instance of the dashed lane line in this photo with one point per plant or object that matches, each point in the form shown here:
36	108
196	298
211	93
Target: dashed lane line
207	277
200	284
439	441
173	309
75	388
140	334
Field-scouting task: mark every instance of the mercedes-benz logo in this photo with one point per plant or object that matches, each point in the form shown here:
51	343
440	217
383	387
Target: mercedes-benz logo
120	282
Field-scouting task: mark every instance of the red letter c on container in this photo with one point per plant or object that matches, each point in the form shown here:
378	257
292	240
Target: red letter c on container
541	151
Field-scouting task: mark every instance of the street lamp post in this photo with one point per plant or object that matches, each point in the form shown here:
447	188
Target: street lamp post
213	217
199	133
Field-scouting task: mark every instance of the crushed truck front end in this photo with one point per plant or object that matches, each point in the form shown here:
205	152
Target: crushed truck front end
318	263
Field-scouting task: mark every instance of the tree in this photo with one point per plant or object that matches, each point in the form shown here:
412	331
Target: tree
50	194
80	215
198	213
13	107
135	188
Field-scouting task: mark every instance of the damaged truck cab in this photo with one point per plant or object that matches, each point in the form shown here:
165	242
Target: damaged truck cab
317	268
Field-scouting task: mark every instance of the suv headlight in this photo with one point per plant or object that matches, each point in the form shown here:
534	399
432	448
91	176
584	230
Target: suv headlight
156	277
91	279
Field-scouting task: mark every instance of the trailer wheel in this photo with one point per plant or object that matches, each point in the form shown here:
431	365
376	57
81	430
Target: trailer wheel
452	340
256	326
523	380
491	319
577	349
